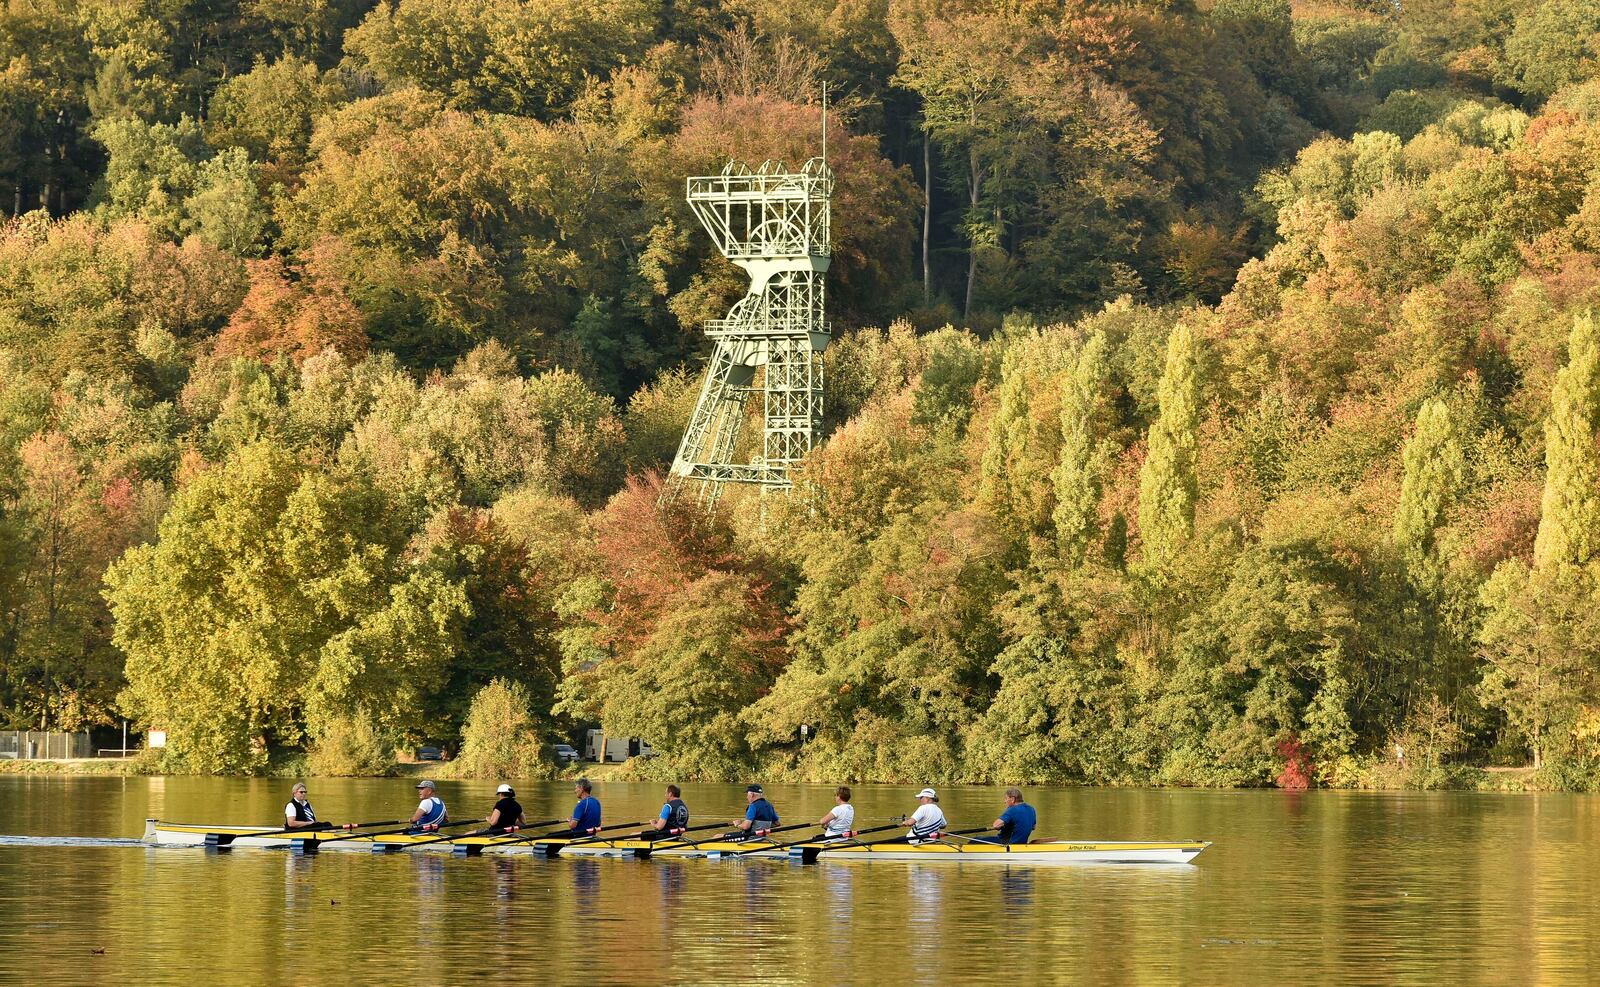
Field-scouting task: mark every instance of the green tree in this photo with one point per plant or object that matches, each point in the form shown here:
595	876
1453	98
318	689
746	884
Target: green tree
1539	635
500	738
276	604
1085	455
504	56
1569	521
1435	470
1167	485
1552	45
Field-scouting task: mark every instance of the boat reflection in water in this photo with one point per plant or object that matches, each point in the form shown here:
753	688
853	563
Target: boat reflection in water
1016	890
669	883
840	883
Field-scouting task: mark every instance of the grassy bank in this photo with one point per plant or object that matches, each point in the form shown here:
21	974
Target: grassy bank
76	766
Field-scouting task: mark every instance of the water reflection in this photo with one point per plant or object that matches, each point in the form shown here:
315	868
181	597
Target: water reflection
585	874
1321	888
670	879
840	883
1016	889
505	871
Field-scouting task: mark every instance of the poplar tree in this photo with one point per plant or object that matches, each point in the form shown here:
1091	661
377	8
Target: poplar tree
1539	625
1569	523
1080	475
1007	434
1434	470
1167	487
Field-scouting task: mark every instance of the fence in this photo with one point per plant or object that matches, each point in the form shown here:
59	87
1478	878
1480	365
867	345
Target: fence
44	745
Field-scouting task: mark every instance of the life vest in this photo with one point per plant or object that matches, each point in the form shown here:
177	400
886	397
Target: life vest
435	813
762	816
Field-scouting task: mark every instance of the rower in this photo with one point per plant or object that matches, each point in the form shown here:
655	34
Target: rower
759	815
298	814
841	818
928	820
586	814
507	812
674	817
1018	820
430	811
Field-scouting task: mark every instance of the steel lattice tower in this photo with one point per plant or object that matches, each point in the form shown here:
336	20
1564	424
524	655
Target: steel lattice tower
773	223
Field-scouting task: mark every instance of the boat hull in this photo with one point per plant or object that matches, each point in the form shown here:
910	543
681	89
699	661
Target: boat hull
941	851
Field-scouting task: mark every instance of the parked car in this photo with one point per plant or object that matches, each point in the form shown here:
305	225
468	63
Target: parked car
430	754
565	753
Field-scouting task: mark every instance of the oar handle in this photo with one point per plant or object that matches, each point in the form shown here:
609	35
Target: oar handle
510	832
768	845
391	832
446	839
689	829
811	852
555	848
813	840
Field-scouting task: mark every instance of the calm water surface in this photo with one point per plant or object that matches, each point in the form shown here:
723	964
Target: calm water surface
1318	888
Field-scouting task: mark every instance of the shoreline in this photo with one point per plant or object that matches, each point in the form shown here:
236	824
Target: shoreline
1504	780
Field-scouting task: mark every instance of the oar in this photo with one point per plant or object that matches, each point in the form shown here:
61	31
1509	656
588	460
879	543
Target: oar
461	836
644	854
220	840
488	831
390	832
553	849
818	840
670	840
531	837
808	855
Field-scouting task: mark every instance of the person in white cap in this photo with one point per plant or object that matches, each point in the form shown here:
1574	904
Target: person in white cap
507	812
430	812
928	819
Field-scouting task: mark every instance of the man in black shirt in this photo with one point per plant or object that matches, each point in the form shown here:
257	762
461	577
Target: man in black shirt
507	813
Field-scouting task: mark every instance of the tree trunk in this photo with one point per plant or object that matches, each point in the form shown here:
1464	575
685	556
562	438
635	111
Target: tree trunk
974	180
927	215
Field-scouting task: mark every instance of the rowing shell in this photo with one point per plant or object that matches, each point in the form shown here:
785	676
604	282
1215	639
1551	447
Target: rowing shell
948	850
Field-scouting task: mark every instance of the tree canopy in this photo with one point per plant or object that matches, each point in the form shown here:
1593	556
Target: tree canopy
1208	380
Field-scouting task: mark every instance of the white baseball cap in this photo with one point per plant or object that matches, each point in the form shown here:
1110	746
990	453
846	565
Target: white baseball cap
504	790
928	793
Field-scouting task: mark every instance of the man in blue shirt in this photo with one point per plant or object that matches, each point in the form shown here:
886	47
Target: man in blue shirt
1017	822
674	818
586	814
759	815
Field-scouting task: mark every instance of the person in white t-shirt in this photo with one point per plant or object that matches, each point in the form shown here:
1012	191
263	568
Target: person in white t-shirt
927	820
842	817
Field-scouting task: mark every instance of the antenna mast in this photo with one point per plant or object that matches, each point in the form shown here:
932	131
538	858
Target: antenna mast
824	121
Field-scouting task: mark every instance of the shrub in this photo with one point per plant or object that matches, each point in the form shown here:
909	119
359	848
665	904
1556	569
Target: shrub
500	738
353	747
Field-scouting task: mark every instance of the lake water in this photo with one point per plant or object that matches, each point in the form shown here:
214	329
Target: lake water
1323	887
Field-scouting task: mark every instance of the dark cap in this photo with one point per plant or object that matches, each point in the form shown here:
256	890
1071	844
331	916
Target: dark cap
753	789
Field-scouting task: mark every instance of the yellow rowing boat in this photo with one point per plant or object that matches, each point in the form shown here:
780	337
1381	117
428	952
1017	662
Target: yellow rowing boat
945	849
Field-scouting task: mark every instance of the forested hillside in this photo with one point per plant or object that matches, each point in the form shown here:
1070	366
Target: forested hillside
1213	397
